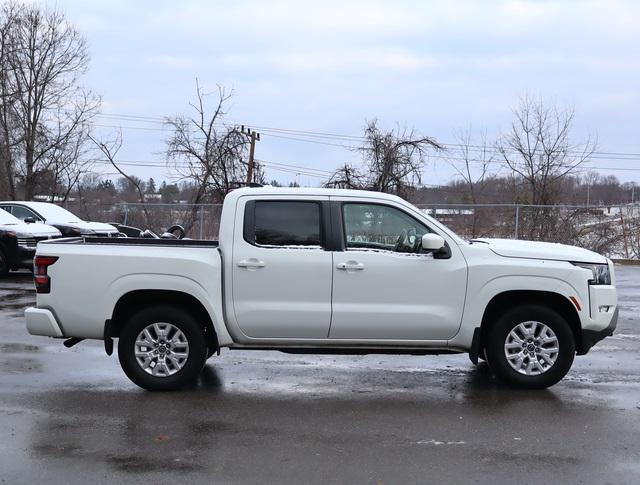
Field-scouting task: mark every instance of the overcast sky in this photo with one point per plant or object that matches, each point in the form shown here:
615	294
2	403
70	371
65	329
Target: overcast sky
328	66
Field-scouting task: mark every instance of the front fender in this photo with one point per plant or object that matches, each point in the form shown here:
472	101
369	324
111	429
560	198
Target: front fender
486	292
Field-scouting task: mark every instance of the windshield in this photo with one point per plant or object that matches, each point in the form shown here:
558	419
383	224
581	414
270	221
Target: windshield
53	213
7	219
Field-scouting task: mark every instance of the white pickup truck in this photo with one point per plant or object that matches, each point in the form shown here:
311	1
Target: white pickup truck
325	271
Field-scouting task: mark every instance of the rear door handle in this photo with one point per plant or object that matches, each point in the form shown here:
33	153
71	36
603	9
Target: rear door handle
350	266
251	263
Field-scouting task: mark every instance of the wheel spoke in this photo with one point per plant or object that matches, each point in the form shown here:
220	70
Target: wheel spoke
529	367
160	332
549	351
147	362
537	366
174	360
546	358
515	337
524	331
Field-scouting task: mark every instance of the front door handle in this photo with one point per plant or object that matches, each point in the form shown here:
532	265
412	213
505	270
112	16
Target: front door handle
251	263
350	266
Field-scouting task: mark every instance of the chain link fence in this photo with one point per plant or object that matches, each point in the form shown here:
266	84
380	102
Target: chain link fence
201	221
610	230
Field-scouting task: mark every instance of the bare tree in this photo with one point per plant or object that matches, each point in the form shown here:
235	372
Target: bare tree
538	150
110	150
8	141
45	116
347	177
206	151
590	179
393	160
472	161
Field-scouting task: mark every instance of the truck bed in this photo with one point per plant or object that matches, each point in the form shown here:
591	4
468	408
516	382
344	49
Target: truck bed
91	274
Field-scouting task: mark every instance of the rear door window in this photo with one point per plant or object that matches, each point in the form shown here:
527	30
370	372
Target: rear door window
286	223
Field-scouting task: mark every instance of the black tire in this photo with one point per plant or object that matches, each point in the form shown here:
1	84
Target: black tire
211	351
193	333
4	265
495	347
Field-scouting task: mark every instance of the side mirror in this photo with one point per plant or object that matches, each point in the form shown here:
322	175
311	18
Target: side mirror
432	242
29	220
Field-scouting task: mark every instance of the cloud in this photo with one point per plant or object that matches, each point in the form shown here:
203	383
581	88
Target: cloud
324	60
171	62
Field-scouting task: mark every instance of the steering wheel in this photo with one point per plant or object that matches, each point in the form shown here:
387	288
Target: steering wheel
404	243
170	233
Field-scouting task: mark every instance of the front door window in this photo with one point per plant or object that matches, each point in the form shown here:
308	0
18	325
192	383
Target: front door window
380	227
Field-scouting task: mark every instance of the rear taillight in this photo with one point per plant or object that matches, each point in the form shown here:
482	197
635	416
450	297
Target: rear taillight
40	277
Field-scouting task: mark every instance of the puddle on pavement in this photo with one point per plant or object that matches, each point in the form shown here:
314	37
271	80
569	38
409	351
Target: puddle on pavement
17	348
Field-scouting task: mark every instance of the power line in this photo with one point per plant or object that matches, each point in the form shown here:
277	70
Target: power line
290	168
614	156
346	137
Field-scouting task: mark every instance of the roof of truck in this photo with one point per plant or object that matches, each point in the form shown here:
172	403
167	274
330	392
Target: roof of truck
271	190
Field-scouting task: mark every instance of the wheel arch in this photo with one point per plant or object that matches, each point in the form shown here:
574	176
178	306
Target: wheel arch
508	300
136	300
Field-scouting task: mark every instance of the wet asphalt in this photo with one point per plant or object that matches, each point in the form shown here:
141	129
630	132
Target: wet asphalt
71	415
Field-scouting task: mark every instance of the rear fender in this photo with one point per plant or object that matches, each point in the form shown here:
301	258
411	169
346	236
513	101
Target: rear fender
210	297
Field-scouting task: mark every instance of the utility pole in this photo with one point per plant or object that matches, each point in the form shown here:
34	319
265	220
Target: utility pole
254	136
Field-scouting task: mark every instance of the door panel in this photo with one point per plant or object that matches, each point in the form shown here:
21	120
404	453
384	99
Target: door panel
383	288
281	273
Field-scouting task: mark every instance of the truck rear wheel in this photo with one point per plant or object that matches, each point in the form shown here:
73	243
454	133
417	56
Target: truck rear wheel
530	347
162	348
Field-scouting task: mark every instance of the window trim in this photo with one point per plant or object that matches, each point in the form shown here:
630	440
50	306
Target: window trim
249	222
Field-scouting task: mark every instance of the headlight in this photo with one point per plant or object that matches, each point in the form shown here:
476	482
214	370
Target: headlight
600	272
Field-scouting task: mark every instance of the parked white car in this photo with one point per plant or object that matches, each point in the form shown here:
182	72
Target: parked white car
330	271
18	242
54	215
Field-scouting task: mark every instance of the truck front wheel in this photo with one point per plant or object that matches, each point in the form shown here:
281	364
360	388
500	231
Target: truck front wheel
530	347
162	348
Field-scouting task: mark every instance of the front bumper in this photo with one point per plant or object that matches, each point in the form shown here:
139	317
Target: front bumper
592	337
25	257
41	321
